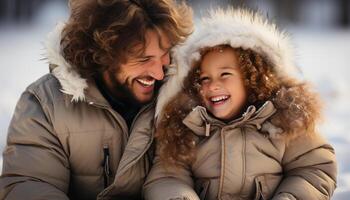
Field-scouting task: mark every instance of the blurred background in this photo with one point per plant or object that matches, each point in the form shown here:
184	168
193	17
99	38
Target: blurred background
320	30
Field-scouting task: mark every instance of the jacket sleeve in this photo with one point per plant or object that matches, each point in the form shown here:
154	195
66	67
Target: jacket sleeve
34	164
310	170
166	183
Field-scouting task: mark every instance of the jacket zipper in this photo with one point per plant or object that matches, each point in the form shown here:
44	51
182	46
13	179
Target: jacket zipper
102	194
147	147
138	114
106	165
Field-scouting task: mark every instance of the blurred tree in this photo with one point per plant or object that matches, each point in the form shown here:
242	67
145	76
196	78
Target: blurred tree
19	10
344	12
2	9
240	3
287	11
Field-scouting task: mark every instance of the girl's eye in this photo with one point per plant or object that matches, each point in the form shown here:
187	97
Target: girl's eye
203	80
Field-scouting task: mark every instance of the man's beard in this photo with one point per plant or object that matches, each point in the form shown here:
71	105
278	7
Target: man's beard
122	92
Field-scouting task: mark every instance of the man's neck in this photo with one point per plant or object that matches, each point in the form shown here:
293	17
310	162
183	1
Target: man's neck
126	107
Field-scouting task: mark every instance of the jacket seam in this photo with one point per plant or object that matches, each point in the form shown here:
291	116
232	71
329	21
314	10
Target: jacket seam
244	157
88	131
223	161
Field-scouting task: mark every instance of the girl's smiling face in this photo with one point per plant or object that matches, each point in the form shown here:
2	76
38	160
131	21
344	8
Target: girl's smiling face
222	87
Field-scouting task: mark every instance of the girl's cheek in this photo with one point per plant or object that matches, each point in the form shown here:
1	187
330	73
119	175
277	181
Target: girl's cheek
202	94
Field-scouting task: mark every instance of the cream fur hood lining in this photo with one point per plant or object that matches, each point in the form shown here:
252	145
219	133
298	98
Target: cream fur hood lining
71	82
238	28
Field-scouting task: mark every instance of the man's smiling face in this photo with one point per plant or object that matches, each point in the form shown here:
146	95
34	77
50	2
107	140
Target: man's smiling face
139	74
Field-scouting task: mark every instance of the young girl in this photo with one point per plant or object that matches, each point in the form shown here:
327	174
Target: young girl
233	123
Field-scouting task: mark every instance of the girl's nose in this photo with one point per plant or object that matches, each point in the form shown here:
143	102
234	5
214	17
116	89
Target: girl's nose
214	85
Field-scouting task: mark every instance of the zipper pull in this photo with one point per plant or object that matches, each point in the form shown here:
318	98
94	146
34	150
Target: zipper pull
207	129
106	165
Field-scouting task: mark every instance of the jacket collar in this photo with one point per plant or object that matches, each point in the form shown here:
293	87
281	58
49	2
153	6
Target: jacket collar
201	123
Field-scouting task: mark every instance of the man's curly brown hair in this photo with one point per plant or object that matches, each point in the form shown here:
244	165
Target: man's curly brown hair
104	33
298	108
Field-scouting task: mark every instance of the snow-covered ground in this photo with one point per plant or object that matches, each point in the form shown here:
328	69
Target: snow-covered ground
322	55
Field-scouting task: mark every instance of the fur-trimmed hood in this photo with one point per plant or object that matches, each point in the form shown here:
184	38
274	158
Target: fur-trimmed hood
296	108
237	28
71	81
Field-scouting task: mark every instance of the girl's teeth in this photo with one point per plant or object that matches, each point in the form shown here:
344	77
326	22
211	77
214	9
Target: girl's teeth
216	99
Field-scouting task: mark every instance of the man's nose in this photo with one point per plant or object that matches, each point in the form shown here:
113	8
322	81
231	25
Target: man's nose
157	71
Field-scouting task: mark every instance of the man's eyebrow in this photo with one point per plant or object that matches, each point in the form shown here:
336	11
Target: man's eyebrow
143	57
166	48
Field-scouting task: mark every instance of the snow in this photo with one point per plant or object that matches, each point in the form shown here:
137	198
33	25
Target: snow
322	55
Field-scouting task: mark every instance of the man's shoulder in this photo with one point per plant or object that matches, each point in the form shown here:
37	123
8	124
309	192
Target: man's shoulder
45	87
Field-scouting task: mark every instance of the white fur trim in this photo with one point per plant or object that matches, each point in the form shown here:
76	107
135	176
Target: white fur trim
71	82
238	28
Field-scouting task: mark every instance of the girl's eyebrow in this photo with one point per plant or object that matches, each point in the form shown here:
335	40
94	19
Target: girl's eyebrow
230	67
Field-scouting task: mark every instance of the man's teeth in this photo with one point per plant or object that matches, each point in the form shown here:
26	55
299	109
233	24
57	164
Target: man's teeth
219	98
145	82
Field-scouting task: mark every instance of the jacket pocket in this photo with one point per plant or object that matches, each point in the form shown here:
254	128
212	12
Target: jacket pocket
265	186
202	188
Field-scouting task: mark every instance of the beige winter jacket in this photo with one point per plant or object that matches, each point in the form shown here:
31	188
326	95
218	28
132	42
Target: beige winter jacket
238	160
66	142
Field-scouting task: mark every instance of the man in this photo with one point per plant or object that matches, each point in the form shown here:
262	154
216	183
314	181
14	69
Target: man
83	131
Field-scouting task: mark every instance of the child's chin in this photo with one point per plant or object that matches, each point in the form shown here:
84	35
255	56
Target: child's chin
221	116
